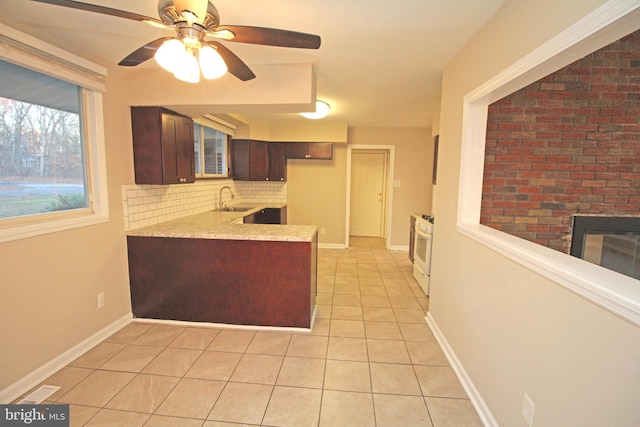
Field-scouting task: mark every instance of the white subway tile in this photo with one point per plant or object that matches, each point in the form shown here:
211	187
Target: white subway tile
149	204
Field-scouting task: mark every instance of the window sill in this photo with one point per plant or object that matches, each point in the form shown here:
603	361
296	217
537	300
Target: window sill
613	291
206	177
52	226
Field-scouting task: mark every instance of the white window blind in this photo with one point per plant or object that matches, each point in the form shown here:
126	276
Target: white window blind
27	51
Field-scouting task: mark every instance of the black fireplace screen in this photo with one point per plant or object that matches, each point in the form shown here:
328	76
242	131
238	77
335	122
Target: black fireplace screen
611	242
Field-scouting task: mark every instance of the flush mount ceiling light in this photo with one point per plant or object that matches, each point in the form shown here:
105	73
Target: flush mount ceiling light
322	110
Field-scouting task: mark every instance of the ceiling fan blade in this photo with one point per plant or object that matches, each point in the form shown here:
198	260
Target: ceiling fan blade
235	65
144	53
102	10
268	36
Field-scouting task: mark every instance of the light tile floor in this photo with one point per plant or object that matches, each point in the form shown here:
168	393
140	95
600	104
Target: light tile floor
370	360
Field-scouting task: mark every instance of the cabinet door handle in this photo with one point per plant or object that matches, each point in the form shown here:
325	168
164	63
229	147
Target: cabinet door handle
307	156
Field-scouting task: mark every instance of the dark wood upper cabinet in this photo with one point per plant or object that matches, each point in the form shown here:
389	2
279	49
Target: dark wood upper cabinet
163	150
250	160
267	161
320	150
277	161
309	150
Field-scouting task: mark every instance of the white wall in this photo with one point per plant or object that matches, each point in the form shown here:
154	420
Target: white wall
513	331
317	188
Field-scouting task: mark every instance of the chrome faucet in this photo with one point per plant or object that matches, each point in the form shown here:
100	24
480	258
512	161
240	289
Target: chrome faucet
221	204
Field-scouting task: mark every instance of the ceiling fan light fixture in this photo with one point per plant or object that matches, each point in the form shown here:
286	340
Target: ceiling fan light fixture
168	55
187	68
322	110
191	10
211	63
190	16
193	20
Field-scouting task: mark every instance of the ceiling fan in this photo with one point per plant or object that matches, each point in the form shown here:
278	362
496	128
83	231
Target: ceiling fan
193	21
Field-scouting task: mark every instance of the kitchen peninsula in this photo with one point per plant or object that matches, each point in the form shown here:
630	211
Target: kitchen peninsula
209	267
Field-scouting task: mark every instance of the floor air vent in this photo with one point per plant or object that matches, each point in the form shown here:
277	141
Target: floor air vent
39	395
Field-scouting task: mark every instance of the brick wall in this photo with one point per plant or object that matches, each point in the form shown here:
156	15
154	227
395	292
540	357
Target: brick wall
566	144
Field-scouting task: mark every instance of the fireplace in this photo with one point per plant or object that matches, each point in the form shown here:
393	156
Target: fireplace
612	242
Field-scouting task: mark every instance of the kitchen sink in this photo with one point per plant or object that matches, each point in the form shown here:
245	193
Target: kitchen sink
234	209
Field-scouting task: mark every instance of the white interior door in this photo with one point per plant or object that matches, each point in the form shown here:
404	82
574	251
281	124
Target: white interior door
368	171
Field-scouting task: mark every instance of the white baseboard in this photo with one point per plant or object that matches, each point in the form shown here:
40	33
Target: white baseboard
474	395
332	246
186	323
40	374
398	248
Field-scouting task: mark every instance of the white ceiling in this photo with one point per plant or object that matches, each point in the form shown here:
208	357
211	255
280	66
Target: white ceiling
380	63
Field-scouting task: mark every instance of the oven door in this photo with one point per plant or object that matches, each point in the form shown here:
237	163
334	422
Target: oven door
422	259
422	250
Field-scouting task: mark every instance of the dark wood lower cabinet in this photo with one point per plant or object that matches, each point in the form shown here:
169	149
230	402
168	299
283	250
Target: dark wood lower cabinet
267	216
242	282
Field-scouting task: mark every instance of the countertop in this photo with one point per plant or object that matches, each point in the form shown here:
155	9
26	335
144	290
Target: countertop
218	225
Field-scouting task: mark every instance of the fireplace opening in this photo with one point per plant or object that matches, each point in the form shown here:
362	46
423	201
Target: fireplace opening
612	242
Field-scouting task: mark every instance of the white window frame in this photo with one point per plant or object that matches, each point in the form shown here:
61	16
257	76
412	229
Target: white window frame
29	52
611	290
213	122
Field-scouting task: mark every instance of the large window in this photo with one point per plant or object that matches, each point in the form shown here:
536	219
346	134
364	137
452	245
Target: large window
211	157
42	156
52	154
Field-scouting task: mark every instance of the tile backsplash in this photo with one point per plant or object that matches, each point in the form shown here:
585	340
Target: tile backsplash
151	204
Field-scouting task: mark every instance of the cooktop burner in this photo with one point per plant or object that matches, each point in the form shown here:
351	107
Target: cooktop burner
429	218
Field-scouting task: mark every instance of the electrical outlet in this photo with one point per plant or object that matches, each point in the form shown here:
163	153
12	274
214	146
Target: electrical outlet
528	408
322	230
101	300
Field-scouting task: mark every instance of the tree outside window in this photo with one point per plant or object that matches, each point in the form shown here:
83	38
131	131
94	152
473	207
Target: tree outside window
42	155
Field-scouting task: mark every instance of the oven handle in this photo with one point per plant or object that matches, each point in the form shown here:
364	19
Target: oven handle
421	233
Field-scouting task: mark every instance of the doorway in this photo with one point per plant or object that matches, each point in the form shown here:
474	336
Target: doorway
369	195
368	172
